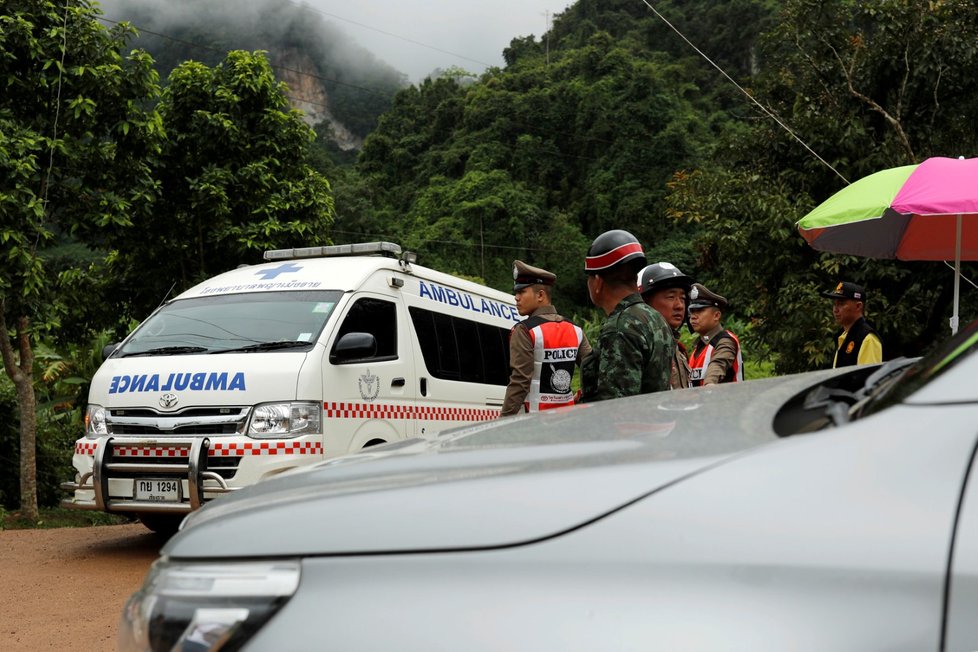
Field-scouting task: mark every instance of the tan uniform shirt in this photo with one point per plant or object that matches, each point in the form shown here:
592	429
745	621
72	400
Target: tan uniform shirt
723	358
521	361
679	378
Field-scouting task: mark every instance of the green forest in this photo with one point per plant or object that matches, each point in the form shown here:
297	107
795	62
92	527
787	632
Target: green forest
129	176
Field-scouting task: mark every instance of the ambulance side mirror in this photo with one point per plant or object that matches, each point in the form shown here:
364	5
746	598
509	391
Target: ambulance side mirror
109	349
354	347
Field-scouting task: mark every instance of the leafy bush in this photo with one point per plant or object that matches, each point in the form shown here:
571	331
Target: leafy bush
62	394
9	447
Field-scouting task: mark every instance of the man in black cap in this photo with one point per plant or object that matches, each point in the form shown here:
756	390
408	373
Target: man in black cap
543	348
716	358
857	342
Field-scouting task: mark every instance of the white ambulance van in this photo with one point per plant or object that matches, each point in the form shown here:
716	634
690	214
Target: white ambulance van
319	352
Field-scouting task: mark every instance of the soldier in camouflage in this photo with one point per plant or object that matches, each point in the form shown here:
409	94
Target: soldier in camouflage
634	349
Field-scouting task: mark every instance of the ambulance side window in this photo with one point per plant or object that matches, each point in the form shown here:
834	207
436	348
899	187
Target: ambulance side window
469	352
438	346
461	349
494	346
377	317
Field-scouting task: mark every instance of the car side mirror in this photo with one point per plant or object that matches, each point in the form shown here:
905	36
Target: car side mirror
109	349
353	347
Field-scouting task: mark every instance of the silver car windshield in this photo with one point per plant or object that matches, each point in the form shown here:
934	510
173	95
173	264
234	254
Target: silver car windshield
260	321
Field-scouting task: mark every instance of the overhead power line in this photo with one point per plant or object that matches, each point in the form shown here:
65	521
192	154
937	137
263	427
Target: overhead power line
528	128
454	243
57	110
531	129
397	36
763	108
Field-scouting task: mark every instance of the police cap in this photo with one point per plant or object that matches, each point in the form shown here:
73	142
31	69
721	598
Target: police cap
526	275
847	290
701	297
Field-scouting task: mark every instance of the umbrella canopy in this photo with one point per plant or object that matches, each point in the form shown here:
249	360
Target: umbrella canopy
915	212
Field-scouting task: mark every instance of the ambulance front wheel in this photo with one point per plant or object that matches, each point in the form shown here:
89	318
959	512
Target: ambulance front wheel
163	524
374	442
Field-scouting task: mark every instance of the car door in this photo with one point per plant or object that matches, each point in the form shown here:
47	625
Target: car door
368	394
462	369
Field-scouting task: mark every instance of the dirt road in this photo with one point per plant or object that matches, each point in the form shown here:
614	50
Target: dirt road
63	589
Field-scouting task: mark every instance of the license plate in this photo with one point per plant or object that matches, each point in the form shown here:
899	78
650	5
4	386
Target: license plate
158	491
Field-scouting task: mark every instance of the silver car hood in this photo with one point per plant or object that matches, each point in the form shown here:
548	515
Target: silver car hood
494	484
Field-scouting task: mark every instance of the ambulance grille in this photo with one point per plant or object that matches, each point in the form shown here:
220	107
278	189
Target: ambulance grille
188	422
225	467
211	429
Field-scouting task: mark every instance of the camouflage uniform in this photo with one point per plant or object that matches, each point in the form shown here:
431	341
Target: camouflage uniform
633	354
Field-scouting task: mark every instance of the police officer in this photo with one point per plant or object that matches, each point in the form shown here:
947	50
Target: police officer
543	348
857	342
716	357
664	288
633	354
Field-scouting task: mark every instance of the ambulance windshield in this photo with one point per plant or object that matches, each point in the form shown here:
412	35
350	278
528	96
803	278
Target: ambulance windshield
256	322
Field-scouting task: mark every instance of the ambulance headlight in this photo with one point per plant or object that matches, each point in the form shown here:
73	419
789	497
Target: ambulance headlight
95	425
286	419
205	606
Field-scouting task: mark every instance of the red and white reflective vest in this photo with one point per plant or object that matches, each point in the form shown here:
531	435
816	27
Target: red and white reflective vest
555	346
701	356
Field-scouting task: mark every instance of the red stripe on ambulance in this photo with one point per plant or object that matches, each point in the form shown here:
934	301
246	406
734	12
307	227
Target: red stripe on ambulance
217	449
381	411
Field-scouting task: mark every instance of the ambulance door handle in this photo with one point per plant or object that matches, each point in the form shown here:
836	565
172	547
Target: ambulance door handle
397	382
424	386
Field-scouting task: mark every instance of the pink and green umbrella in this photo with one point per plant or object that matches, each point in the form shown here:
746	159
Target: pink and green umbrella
915	212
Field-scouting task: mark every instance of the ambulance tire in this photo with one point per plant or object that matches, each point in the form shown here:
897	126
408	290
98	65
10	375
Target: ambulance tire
374	442
163	524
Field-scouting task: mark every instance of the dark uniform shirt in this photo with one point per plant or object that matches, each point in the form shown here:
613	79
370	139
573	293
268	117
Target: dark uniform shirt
633	354
860	344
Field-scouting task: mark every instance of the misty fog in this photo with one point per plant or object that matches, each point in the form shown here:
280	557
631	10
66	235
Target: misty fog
415	37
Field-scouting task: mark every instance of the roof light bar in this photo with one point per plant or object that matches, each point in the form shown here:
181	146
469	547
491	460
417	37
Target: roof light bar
388	249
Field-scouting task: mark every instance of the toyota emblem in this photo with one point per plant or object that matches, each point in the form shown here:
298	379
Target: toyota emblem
168	400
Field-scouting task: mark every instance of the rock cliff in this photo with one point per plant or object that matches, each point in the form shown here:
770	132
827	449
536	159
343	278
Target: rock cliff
307	93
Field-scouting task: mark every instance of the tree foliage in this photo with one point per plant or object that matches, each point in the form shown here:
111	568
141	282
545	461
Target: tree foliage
610	120
868	85
75	142
535	160
119	192
232	178
359	87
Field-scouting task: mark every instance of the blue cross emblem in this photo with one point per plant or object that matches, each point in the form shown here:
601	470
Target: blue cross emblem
287	268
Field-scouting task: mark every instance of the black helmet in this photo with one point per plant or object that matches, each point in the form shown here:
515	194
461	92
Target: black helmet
613	248
662	276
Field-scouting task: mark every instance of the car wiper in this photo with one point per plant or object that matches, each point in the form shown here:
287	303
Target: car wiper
835	400
879	384
881	375
822	396
167	350
267	346
840	404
